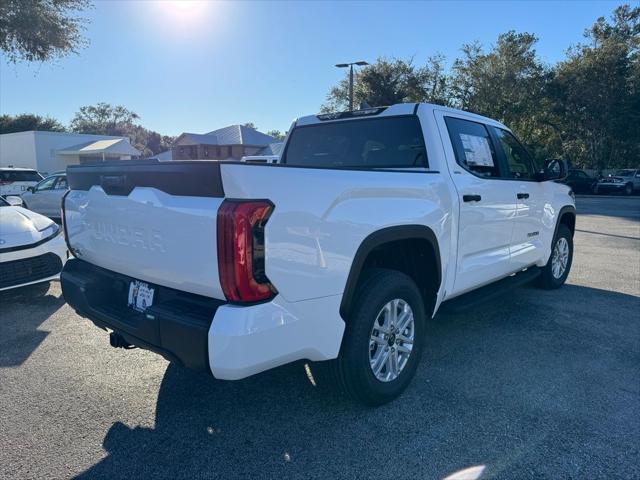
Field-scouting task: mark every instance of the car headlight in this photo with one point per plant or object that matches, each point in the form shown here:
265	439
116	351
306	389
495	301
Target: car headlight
50	230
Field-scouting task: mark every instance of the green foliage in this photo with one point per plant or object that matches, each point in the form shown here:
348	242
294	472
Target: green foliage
106	119
595	94
277	134
28	121
586	108
390	81
41	30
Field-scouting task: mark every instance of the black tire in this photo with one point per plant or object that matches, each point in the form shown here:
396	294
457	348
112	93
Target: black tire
351	371
628	189
547	279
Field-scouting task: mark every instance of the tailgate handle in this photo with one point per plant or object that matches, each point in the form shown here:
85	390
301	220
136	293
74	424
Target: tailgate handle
114	184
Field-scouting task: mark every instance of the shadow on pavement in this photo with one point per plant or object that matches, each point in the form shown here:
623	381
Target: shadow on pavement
621	207
543	385
23	310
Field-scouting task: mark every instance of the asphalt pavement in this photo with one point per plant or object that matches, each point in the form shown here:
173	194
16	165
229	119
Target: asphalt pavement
541	384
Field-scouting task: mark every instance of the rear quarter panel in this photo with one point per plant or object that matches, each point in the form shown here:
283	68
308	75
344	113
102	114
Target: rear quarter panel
321	217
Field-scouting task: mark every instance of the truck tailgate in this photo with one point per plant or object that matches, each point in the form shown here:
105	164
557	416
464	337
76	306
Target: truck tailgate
152	221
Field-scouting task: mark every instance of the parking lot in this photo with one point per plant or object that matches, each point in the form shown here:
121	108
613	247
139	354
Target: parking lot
544	384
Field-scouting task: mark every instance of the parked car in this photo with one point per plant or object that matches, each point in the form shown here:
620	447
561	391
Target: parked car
337	255
32	250
580	181
623	181
45	198
16	181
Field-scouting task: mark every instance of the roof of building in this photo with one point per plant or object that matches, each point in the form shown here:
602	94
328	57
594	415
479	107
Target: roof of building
117	146
272	149
231	135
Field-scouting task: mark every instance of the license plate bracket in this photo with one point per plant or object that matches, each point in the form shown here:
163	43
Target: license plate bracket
140	295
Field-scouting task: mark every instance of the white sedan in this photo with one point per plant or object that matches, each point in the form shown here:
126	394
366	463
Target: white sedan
32	248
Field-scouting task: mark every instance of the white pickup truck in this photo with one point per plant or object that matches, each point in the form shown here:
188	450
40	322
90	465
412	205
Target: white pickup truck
337	255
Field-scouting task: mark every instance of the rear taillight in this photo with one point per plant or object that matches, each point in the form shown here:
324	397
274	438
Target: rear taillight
241	250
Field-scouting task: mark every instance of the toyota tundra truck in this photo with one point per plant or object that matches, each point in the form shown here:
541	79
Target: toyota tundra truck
337	255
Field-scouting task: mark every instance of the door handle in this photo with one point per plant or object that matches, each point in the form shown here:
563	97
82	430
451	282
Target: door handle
523	195
471	198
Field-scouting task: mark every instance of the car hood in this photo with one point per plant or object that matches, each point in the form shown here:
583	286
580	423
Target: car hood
19	226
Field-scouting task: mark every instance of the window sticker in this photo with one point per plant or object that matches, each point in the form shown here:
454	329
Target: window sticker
477	150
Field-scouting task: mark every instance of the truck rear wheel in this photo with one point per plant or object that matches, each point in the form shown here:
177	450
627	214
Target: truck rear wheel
556	271
383	340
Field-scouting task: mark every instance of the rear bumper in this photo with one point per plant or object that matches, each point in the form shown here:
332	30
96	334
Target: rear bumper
202	333
248	340
176	326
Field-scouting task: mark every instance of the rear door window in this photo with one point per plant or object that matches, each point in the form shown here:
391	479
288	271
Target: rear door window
473	147
519	162
388	142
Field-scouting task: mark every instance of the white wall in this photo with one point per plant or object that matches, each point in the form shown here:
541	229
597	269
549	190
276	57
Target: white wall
18	150
38	149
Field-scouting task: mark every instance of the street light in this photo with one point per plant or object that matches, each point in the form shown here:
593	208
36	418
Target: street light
350	65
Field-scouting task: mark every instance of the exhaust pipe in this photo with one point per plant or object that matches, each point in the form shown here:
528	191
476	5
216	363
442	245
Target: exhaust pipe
117	341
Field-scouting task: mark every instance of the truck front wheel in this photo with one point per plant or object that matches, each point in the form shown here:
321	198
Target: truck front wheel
556	271
384	338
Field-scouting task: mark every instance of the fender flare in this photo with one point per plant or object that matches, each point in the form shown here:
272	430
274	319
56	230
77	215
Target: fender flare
566	209
380	237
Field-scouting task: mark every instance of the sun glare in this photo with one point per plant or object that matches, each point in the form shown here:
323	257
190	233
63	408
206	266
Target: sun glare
183	11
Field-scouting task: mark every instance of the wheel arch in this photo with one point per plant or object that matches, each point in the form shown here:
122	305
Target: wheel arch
386	238
566	216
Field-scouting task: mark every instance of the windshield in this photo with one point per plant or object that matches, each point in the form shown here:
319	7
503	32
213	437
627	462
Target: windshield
388	142
624	173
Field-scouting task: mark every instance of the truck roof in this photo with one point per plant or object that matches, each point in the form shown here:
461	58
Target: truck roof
397	109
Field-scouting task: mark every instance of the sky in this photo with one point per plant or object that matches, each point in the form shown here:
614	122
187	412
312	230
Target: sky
195	66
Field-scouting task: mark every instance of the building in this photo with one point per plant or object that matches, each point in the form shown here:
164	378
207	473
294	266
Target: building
49	152
229	143
274	149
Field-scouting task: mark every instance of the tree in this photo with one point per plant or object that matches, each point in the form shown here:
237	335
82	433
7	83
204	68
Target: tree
251	125
385	82
41	30
596	93
106	119
28	121
506	83
277	134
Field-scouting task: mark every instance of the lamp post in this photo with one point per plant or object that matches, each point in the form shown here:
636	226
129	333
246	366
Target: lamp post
350	65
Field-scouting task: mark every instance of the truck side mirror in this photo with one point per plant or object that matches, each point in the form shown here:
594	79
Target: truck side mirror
31	189
554	169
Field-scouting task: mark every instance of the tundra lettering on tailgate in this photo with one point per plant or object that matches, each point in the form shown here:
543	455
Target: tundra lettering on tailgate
137	237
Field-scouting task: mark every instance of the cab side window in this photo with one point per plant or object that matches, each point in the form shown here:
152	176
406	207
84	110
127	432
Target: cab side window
46	184
519	162
473	147
62	183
